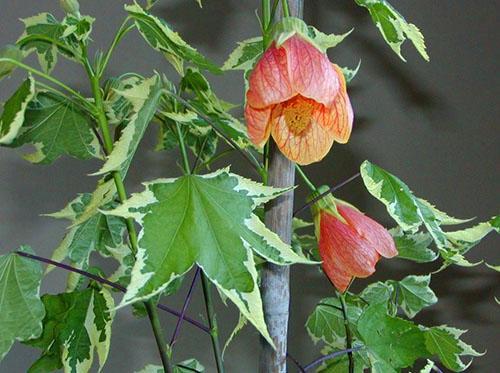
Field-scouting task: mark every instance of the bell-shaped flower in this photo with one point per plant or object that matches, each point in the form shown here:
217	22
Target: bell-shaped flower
299	97
350	243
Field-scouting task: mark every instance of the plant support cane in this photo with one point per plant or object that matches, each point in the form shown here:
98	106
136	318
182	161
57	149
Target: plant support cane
275	285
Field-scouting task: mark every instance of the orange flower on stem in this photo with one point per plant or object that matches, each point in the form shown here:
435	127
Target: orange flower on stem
299	97
350	243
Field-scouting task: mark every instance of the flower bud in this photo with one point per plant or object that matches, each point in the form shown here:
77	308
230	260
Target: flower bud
70	6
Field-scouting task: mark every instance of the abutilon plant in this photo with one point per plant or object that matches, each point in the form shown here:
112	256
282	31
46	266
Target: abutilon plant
236	233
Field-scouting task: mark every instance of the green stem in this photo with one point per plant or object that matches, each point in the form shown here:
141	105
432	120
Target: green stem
160	340
122	31
46	77
182	145
122	195
213	159
347	332
286	8
266	13
304	177
212	322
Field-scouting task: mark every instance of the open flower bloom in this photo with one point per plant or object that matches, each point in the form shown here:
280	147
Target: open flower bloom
299	97
350	243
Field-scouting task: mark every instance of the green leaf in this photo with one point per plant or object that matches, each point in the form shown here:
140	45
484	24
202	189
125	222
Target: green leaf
144	98
304	243
76	324
204	100
187	366
378	292
198	135
161	37
205	220
21	310
245	55
45	35
289	26
326	323
242	322
14	112
11	52
393	343
445	342
414	247
55	126
350	74
393	27
414	294
99	232
341	364
410	212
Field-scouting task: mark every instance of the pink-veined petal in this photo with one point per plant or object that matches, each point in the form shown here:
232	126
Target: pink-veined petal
375	234
302	129
258	124
342	111
311	74
337	276
354	254
269	82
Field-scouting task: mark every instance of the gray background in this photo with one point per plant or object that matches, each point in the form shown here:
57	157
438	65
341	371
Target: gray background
433	124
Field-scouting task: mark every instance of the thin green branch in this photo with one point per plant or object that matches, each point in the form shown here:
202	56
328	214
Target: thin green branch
286	8
212	322
347	332
304	177
122	195
44	76
122	31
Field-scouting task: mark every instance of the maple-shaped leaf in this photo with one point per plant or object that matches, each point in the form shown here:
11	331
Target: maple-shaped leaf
21	310
209	221
75	325
55	126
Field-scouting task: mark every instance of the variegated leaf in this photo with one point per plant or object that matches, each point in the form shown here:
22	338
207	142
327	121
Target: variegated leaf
414	247
14	112
21	310
76	325
445	342
393	27
161	37
8	54
411	212
56	126
204	220
144	98
245	55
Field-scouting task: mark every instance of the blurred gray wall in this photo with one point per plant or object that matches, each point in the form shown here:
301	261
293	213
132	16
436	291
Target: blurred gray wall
433	124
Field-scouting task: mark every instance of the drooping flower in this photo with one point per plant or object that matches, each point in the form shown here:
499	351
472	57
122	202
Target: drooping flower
299	97
350	243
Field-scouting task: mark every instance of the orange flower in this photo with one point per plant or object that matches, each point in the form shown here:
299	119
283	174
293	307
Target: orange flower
350	243
299	97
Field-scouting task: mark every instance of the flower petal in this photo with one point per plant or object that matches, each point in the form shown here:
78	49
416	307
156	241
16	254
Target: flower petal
269	82
342	111
302	129
375	234
354	254
311	73
337	276
258	124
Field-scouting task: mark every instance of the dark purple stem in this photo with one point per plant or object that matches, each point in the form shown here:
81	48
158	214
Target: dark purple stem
330	356
295	361
184	308
331	190
111	284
